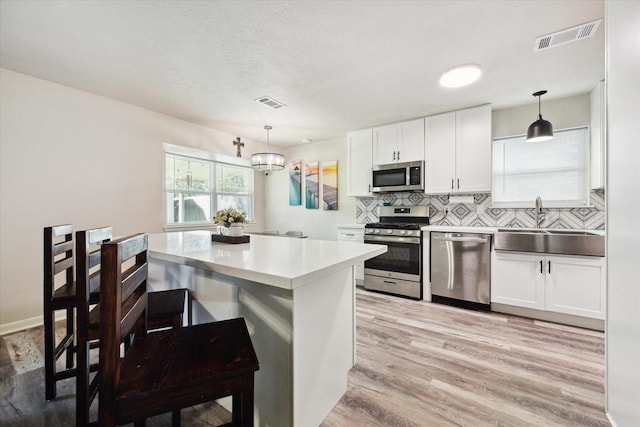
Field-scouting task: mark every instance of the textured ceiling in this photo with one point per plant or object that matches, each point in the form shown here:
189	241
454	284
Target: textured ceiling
337	65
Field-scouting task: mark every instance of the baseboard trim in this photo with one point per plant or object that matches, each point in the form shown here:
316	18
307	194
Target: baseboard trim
32	322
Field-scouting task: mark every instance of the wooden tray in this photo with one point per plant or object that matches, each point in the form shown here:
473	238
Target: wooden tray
229	239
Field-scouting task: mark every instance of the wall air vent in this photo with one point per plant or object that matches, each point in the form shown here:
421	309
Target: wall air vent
566	36
270	102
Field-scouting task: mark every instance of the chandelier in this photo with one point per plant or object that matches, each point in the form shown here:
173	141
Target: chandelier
267	161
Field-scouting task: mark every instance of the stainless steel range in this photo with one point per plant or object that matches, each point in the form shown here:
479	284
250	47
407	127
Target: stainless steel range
399	270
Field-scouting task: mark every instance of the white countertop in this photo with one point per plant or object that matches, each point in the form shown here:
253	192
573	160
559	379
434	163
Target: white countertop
284	263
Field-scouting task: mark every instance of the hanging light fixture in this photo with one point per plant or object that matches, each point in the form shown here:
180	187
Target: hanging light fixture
540	130
267	161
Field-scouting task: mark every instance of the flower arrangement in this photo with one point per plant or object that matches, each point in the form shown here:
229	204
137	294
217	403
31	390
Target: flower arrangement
226	217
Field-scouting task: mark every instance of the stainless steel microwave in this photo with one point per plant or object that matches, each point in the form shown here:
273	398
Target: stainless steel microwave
408	176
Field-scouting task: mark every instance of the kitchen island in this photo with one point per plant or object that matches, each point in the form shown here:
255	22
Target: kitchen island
298	299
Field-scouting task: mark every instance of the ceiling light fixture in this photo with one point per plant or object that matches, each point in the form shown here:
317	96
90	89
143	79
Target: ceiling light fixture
267	161
540	130
461	75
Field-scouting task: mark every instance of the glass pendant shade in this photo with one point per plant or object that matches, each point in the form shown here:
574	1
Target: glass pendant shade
540	130
267	161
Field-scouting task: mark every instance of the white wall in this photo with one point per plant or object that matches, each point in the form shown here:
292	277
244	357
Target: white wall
316	223
623	225
68	156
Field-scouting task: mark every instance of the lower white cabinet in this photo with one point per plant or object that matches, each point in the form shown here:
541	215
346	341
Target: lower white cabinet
563	284
354	234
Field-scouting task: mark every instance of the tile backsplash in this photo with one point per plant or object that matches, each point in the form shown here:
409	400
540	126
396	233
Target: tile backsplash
481	214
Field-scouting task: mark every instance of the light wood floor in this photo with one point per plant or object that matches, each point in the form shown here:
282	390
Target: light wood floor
425	364
418	364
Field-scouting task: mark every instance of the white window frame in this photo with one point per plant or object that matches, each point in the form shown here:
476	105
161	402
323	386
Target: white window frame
203	156
547	203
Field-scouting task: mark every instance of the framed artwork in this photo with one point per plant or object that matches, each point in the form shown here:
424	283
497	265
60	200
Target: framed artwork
295	183
330	185
311	185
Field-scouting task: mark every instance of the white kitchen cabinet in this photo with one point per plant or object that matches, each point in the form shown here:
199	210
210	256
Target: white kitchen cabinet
575	285
353	234
458	151
518	279
562	284
398	142
359	152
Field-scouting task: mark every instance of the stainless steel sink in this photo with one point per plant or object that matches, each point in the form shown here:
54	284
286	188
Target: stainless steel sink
568	242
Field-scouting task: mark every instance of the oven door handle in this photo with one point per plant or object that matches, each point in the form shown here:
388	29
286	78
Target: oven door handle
392	239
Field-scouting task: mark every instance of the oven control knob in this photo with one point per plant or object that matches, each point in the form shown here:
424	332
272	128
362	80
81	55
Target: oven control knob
389	231
376	231
403	232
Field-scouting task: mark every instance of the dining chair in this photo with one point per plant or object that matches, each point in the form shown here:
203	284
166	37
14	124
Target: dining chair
59	295
167	307
167	370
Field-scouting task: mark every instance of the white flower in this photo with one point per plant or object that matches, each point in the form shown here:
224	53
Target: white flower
225	217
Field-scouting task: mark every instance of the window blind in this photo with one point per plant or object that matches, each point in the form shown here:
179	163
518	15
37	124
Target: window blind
556	170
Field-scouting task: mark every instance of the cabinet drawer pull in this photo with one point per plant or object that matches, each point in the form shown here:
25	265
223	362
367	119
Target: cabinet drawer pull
540	266
549	267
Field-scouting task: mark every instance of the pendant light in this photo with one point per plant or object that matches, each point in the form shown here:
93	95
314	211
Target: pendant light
267	161
540	130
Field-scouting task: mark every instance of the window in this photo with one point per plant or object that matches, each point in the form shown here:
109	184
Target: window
196	187
556	170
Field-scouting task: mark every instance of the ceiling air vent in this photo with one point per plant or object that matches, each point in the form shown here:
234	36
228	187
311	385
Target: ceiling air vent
567	36
270	102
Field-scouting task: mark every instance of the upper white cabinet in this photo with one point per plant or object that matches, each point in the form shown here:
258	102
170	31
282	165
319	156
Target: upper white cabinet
398	142
458	151
598	136
359	152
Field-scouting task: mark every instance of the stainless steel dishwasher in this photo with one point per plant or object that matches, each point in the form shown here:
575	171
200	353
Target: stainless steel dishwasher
461	269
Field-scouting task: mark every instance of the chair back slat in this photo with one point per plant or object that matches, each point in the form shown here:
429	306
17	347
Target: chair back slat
63	264
61	230
132	278
62	247
119	316
94	257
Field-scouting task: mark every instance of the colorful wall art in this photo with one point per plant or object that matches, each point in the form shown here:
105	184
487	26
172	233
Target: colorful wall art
330	185
295	183
312	185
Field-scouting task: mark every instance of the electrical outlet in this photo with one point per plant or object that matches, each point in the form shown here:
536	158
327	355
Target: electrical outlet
446	210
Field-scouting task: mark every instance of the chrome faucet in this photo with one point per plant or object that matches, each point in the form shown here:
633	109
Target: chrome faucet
539	213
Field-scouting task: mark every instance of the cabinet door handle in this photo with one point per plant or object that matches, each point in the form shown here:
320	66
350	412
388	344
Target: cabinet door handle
458	183
398	155
549	266
540	266
451	184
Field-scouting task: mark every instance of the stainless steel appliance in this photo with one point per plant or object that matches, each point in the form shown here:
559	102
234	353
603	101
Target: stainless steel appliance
408	176
399	270
461	269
